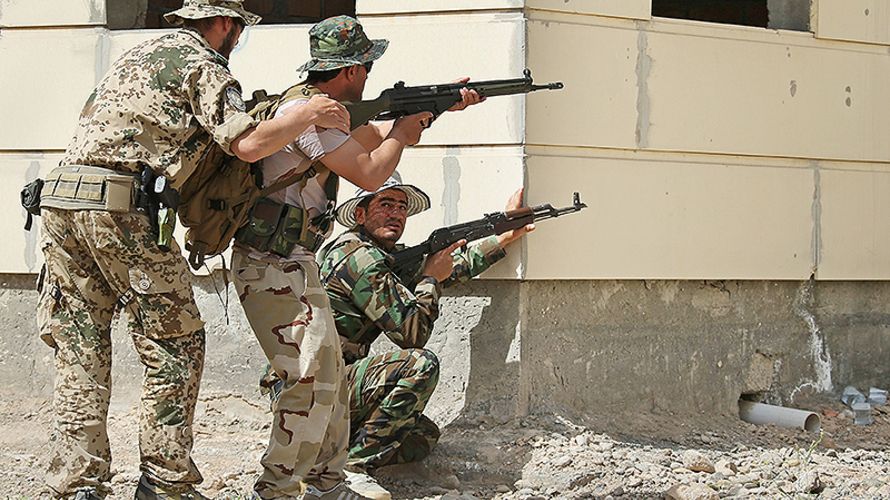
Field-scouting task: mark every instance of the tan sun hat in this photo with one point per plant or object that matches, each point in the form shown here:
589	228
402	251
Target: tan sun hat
202	9
418	201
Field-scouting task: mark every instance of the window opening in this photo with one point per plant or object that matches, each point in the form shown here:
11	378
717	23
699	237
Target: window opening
141	14
775	14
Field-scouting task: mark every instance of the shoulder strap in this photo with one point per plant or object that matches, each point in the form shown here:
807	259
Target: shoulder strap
301	90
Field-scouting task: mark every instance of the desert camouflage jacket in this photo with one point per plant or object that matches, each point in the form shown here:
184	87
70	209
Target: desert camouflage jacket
368	299
162	104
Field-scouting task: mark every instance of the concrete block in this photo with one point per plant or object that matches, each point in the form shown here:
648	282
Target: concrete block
377	7
764	93
255	69
31	13
854	237
597	107
636	89
632	9
437	49
20	252
47	76
670	217
761	372
866	21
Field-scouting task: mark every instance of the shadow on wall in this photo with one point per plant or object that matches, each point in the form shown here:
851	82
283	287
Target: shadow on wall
492	374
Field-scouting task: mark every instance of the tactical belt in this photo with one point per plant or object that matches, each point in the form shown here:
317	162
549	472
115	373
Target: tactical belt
79	187
278	228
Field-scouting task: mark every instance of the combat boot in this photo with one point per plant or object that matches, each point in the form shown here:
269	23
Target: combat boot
86	494
339	492
365	485
148	490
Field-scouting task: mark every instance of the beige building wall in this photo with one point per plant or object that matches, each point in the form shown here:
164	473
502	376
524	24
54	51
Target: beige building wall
704	151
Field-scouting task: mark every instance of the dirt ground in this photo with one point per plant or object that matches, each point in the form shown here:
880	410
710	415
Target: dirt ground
529	458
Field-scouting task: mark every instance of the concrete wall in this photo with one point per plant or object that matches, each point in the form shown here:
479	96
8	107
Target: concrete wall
780	123
581	348
706	153
476	338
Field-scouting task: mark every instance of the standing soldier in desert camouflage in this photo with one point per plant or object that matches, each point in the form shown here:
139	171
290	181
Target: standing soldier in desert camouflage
274	265
160	107
388	393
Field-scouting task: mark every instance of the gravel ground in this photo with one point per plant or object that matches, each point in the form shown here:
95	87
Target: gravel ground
530	458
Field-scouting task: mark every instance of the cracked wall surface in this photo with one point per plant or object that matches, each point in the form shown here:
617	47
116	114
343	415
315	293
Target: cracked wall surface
579	348
681	347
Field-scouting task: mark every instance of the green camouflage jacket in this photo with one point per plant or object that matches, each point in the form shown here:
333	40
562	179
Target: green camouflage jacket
369	299
162	104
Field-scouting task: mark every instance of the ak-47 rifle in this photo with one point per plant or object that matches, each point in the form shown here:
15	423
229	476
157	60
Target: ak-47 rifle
402	101
491	224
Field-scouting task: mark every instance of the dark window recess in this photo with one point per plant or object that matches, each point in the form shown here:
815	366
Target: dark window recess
137	14
777	14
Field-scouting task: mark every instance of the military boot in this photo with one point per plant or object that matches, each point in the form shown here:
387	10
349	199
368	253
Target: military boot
148	490
339	492
364	484
86	494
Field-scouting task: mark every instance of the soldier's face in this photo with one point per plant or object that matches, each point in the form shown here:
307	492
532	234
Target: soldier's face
384	219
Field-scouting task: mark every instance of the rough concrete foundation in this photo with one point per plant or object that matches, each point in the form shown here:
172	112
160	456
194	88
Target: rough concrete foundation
674	347
579	348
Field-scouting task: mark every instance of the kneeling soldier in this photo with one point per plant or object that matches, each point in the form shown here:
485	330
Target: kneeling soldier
387	393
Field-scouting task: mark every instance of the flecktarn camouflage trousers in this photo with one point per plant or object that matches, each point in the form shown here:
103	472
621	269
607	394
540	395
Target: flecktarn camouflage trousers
291	317
97	262
387	396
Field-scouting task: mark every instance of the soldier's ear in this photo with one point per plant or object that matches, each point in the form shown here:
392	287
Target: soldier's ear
360	215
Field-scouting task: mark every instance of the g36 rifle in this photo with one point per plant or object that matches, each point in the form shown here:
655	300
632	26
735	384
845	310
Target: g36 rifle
401	100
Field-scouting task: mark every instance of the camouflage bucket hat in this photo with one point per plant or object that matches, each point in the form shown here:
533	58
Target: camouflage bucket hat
418	201
201	9
339	42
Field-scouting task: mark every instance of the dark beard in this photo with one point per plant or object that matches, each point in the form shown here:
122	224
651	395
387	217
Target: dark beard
229	42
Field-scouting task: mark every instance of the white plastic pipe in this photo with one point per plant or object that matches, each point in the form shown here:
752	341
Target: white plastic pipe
759	413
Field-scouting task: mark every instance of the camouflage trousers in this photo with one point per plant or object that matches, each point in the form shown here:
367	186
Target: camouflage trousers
96	263
291	317
387	395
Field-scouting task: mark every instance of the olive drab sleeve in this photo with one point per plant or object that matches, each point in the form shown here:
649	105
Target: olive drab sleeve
405	316
475	260
216	99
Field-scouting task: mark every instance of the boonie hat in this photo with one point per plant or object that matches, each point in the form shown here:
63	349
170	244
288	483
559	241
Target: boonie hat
418	201
201	9
339	42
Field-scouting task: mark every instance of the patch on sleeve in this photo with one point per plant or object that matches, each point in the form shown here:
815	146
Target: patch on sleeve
233	95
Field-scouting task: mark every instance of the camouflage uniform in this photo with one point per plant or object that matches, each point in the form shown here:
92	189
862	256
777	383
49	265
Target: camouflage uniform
387	393
161	105
286	306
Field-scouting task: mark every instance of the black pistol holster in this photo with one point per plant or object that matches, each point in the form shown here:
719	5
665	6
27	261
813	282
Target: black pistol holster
31	200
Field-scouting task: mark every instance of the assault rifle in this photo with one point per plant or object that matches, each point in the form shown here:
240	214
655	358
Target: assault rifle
402	101
491	224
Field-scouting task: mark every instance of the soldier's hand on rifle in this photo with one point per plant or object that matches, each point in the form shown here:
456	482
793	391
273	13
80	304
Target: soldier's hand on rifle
328	113
440	264
407	129
508	237
468	97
